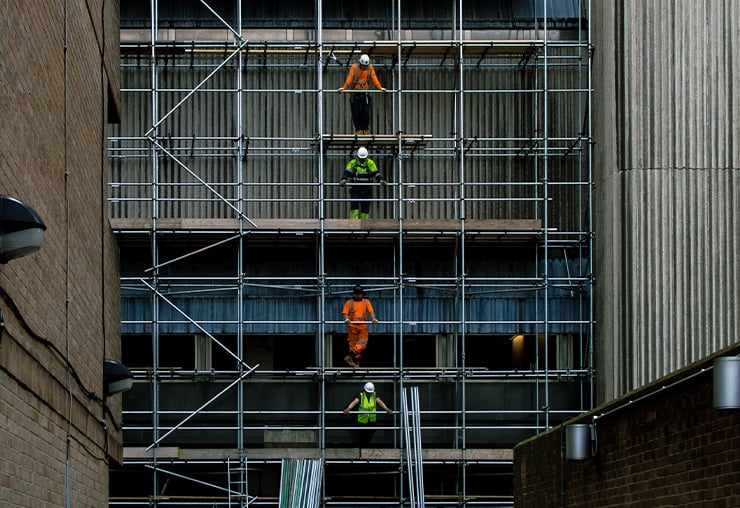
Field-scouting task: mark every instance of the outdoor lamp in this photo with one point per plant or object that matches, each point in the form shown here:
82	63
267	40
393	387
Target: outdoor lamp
21	229
116	378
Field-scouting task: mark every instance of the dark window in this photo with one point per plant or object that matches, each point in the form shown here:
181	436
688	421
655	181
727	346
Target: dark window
509	352
136	351
418	351
379	352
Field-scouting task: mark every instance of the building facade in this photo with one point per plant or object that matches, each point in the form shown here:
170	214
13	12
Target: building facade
666	177
238	253
60	306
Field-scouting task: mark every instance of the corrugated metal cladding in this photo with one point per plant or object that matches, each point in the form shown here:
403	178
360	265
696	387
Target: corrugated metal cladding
489	309
669	181
500	295
513	315
343	14
502	121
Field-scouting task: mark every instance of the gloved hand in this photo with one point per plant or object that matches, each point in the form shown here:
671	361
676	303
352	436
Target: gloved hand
342	182
383	183
340	89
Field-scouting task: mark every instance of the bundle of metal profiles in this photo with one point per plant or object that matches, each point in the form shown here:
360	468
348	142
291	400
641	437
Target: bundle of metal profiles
412	430
300	483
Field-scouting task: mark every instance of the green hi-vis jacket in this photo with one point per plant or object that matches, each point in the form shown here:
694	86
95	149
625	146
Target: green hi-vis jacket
367	409
359	171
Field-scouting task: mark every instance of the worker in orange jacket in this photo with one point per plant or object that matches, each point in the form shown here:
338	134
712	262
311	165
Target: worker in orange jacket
356	311
358	81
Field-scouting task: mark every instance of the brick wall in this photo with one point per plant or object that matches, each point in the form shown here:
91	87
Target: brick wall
61	304
661	445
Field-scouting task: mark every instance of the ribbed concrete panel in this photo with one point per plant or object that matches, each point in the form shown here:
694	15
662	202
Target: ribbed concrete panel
666	188
680	61
682	292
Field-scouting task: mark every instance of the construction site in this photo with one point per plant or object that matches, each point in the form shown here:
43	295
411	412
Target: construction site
238	252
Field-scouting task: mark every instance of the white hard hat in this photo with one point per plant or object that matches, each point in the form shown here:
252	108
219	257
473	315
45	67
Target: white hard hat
369	387
362	152
364	59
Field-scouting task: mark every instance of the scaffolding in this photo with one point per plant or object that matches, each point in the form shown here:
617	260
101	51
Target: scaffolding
237	254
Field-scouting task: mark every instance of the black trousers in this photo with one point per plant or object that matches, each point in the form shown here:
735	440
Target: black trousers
366	434
360	198
361	106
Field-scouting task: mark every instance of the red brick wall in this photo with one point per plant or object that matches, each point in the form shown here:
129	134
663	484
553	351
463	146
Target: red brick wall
670	448
61	305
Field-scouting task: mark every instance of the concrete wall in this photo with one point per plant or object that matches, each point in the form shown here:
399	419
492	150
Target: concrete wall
666	178
662	445
61	305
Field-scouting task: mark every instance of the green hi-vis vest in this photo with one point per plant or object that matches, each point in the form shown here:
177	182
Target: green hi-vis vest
367	409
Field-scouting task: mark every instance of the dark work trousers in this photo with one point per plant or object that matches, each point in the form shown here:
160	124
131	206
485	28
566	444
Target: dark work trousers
366	434
361	106
360	197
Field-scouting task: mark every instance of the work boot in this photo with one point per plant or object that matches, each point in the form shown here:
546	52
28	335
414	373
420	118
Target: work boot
350	361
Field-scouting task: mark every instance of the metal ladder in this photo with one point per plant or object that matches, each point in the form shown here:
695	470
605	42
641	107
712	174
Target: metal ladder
237	483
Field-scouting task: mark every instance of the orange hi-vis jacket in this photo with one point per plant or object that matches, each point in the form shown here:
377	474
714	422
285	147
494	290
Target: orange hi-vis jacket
359	78
357	311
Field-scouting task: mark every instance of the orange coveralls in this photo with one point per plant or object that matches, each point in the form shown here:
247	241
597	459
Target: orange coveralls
359	78
357	312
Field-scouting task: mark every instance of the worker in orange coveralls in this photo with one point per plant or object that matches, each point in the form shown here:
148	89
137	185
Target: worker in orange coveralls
356	310
358	81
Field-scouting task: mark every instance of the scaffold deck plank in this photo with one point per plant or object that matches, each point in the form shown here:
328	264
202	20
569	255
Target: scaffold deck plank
380	140
442	47
332	225
138	42
360	454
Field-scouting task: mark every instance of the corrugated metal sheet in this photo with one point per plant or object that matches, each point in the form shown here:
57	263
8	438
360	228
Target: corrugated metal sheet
342	14
426	307
669	155
280	177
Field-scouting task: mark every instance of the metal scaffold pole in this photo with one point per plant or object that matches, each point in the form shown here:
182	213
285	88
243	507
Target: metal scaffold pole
227	169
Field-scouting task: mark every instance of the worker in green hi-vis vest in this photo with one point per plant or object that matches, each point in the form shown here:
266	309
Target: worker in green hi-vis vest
366	416
361	172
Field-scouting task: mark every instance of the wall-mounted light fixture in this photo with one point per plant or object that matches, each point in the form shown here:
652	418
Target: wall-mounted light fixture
21	229
578	439
116	378
726	382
